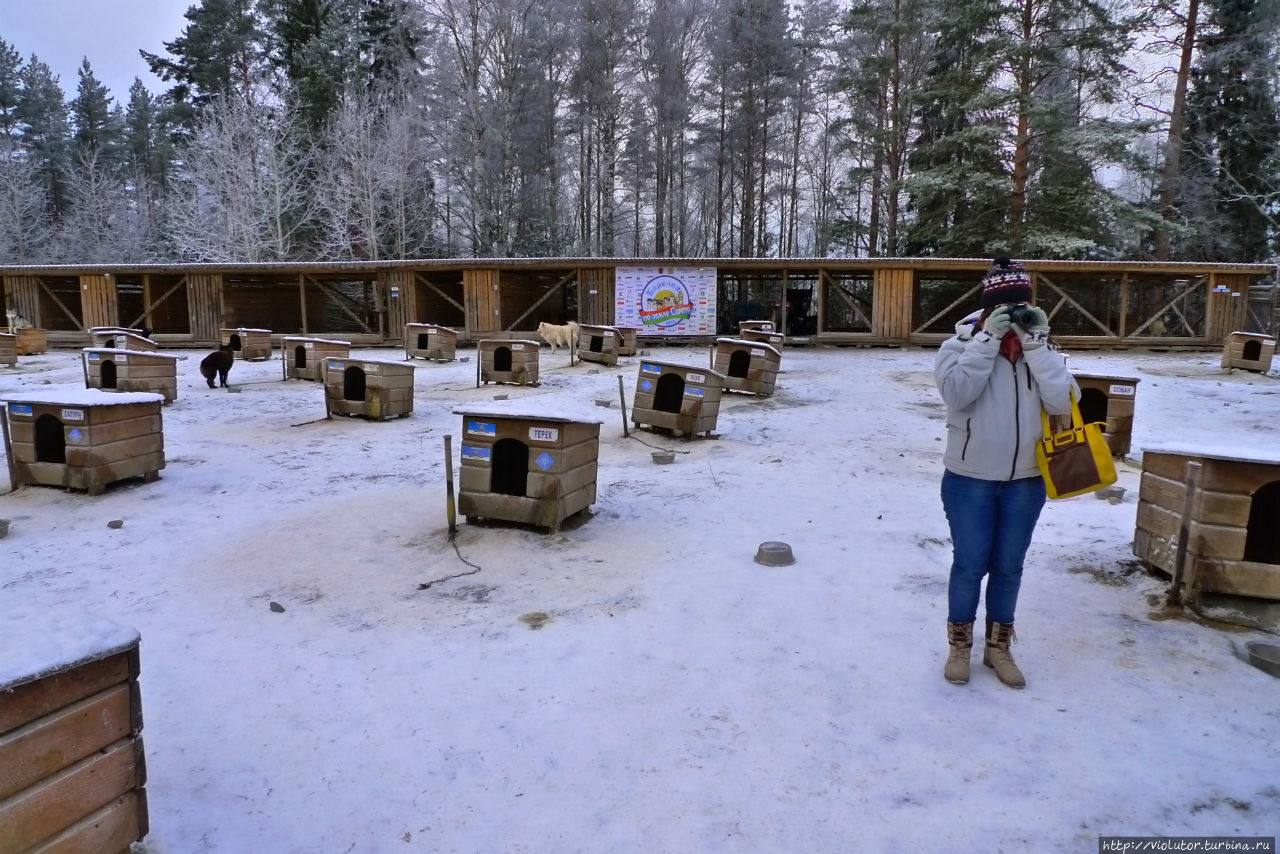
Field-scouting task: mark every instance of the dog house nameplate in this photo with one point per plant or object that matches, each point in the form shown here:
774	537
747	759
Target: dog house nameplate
544	434
73	415
517	346
1125	390
93	357
695	378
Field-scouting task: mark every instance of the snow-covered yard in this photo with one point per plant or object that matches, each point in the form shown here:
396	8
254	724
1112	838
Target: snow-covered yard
674	696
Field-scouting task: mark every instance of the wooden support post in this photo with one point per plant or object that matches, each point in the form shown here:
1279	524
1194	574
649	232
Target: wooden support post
1189	501
622	398
450	508
8	447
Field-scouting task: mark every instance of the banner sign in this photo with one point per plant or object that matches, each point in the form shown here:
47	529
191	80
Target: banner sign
666	300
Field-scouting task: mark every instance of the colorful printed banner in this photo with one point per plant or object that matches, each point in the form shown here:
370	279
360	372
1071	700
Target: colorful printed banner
666	300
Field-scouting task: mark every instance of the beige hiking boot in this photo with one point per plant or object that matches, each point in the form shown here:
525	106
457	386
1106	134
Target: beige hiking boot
960	636
998	656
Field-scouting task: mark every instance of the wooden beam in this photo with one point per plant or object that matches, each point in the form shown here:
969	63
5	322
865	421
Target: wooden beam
1180	295
964	296
418	277
338	298
146	292
852	303
572	274
1098	323
78	321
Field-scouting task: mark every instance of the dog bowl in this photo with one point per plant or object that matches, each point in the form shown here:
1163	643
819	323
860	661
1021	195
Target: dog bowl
773	553
233	389
1114	494
1264	656
664	458
4	528
605	402
499	397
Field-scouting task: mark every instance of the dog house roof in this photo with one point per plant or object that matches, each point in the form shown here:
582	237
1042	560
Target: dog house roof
527	416
759	345
1250	454
317	340
1088	376
243	329
131	352
84	397
697	369
1252	335
355	361
36	641
509	341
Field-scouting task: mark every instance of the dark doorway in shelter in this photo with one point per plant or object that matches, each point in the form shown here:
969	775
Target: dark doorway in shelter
739	363
51	440
235	342
1093	406
502	360
300	356
353	383
110	343
108	373
669	395
597	344
424	339
1262	539
509	467
1252	350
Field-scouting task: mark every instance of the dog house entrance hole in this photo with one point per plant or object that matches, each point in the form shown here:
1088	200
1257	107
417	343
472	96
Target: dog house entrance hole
1262	541
424	339
353	383
1252	350
108	374
509	469
597	344
1093	406
502	361
51	441
669	396
300	356
110	343
235	342
739	363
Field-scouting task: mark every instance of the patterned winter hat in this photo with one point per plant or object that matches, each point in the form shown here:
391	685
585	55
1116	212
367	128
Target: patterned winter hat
1006	281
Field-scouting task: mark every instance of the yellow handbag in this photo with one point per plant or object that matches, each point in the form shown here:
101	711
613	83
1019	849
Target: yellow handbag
1074	461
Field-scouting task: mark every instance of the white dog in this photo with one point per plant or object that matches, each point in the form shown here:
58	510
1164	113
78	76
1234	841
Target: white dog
565	335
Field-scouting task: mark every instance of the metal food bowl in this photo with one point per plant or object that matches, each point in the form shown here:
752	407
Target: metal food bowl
664	458
1264	656
774	553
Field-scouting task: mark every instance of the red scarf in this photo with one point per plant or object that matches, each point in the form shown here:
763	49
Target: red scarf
1011	346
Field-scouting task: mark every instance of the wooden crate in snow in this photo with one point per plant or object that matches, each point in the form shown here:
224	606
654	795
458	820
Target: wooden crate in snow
1248	351
598	344
8	349
747	366
508	361
32	341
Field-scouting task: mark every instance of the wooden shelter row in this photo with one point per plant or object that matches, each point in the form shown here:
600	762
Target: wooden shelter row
877	301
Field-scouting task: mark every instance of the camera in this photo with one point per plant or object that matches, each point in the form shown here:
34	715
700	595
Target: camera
1022	315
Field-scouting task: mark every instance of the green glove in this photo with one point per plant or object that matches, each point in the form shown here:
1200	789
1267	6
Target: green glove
1037	334
998	322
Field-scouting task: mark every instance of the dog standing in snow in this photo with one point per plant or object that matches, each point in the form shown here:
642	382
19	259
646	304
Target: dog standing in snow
218	363
565	335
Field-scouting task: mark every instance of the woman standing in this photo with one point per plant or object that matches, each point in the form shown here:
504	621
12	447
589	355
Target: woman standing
994	375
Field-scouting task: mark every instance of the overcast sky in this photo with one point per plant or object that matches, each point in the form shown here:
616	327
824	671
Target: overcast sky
109	32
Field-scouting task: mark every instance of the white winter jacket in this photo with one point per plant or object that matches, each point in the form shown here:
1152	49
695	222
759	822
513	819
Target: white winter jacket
993	405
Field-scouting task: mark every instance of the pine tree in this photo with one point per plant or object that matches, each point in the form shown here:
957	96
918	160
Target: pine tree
97	131
10	92
43	131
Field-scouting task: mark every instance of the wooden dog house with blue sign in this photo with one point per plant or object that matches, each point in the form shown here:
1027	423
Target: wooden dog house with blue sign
251	345
368	388
431	342
118	338
679	398
504	360
598	344
1249	351
529	469
130	370
8	349
747	366
85	439
72	770
1108	400
304	358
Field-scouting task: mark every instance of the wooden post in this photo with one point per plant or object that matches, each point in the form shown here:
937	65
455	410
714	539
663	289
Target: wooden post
1192	481
622	398
450	508
8	448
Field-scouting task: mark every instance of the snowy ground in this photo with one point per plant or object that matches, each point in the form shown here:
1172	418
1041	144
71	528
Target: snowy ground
679	697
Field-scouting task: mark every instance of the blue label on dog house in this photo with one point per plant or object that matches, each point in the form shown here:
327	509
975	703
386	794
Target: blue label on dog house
650	369
19	409
93	357
646	385
545	461
335	365
75	435
473	453
694	392
481	428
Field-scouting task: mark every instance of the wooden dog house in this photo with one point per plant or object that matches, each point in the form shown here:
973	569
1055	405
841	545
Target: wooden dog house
72	771
763	336
128	370
8	349
598	344
508	361
251	345
1248	351
627	340
530	469
755	326
117	338
304	358
32	341
1234	534
428	341
679	398
367	388
85	439
747	366
1108	400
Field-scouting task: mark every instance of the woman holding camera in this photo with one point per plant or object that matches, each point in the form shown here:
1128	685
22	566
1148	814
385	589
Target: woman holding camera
994	375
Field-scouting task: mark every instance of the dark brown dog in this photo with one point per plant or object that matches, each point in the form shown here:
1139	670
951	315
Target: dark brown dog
218	363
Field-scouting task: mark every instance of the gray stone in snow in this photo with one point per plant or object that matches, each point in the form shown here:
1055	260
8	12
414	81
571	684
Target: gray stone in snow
116	523
277	607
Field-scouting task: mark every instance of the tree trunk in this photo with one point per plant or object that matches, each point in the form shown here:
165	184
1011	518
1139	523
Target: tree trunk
1177	120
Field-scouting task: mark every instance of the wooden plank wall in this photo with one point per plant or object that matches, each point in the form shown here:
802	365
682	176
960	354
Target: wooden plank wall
1225	313
483	301
23	294
400	295
596	296
891	303
98	303
204	301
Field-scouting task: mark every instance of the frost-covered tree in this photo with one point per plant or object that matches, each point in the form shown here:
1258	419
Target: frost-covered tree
25	229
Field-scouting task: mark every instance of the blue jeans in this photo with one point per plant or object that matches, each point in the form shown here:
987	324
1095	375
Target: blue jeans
991	526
